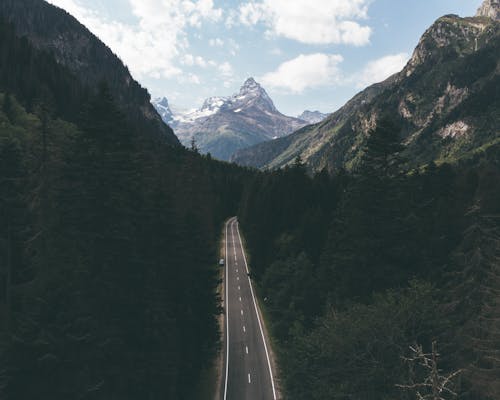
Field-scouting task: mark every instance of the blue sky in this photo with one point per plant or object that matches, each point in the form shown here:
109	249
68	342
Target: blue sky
308	54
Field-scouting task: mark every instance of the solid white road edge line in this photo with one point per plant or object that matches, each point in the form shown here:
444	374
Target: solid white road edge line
256	311
227	320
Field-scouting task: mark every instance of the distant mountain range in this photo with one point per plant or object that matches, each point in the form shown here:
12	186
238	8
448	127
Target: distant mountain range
313	117
224	125
446	102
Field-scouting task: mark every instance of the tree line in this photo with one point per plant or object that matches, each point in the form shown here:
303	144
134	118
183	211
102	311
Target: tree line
108	256
358	268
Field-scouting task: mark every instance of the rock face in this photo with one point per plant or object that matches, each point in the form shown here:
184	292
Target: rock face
164	110
490	9
445	102
224	125
51	29
313	117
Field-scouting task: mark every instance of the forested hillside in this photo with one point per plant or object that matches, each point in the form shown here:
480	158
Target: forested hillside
108	240
356	268
108	246
109	230
52	41
445	100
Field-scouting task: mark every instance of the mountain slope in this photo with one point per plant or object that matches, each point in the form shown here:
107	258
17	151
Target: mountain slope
313	117
53	30
224	125
105	232
446	102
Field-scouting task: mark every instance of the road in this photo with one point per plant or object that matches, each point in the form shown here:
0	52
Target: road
248	372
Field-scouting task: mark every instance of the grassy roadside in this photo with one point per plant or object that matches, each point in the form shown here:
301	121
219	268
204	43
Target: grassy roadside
210	383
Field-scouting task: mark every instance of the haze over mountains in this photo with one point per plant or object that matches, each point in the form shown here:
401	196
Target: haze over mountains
224	125
445	101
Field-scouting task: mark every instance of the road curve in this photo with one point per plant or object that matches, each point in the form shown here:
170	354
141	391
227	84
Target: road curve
248	372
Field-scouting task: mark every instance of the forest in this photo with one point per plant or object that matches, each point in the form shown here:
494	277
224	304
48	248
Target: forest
108	239
359	268
109	246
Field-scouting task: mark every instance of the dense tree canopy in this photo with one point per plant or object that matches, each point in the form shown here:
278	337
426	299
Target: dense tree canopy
357	267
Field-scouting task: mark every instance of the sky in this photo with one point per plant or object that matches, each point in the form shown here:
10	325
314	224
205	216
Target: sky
307	54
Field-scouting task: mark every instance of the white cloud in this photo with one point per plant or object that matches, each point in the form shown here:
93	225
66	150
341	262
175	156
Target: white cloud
305	71
190	61
380	69
190	78
226	72
311	21
151	47
252	13
217	42
226	69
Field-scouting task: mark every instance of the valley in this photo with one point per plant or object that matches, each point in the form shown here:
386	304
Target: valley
233	252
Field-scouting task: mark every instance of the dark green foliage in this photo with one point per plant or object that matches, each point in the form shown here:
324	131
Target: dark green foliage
34	77
48	57
337	257
108	277
356	352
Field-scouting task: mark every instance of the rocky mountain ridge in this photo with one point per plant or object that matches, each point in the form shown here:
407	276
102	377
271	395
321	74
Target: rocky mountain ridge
489	9
445	102
313	117
223	125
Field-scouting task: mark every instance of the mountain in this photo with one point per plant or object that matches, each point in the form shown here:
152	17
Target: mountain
313	117
490	9
224	125
52	30
163	108
445	101
106	226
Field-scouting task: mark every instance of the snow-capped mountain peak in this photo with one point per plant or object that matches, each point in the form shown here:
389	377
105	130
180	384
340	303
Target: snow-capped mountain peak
251	87
251	93
213	104
163	108
313	117
223	125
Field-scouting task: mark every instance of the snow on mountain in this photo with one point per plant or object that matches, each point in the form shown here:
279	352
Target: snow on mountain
313	117
225	124
163	108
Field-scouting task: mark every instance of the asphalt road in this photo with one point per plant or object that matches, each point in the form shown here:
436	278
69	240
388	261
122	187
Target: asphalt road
248	373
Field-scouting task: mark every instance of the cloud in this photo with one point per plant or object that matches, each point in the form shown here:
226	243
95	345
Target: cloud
152	47
217	42
311	21
305	71
226	70
190	61
190	78
380	69
252	13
